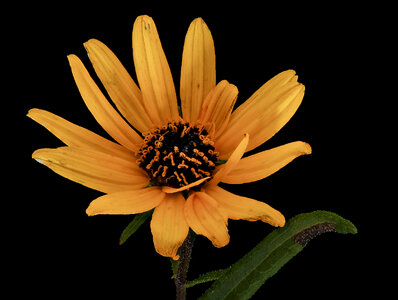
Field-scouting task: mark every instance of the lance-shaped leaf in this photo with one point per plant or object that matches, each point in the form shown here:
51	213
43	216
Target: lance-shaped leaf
134	225
247	275
209	276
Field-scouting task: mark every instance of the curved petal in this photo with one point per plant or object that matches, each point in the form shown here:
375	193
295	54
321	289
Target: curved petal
237	207
218	105
198	70
204	216
263	164
168	225
263	114
153	72
278	116
120	86
101	109
95	170
126	202
171	190
232	161
76	136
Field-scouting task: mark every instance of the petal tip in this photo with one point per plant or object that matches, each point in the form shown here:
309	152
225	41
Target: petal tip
221	244
91	41
277	219
72	59
31	112
36	156
198	20
144	19
40	161
71	56
281	221
90	212
307	148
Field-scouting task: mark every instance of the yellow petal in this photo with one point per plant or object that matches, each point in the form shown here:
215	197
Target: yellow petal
271	87
76	136
204	216
101	109
153	72
218	106
126	202
289	103
263	114
263	164
233	160
237	207
170	190
198	70
119	84
168	225
96	170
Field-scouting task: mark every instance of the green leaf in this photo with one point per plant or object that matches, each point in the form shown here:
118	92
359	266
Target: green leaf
248	274
209	276
134	225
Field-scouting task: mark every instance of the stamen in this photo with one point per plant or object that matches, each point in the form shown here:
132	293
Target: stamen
183	178
185	130
157	171
210	163
149	166
178	154
182	165
197	152
164	171
170	156
178	177
206	173
194	172
212	152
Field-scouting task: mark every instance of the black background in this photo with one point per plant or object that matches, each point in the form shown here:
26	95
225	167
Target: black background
58	250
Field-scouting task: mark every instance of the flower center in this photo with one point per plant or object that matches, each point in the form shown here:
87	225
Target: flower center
177	154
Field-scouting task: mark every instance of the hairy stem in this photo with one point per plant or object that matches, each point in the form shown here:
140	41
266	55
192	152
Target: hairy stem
182	271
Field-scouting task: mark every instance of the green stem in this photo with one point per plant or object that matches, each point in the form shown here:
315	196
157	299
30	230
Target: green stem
182	271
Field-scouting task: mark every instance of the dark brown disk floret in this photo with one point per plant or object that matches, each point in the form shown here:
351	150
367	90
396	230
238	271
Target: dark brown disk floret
177	154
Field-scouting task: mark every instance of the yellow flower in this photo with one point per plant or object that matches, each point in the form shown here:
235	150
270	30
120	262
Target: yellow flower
167	162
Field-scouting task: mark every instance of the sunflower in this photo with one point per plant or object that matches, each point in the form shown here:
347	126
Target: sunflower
170	157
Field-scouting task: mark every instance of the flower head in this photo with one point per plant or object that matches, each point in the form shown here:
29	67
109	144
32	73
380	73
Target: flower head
169	160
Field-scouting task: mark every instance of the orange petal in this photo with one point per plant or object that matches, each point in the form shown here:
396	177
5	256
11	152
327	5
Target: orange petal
289	103
171	190
263	114
119	85
232	161
76	136
153	72
218	106
96	170
263	164
204	215
198	70
101	109
168	225
126	202
237	207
